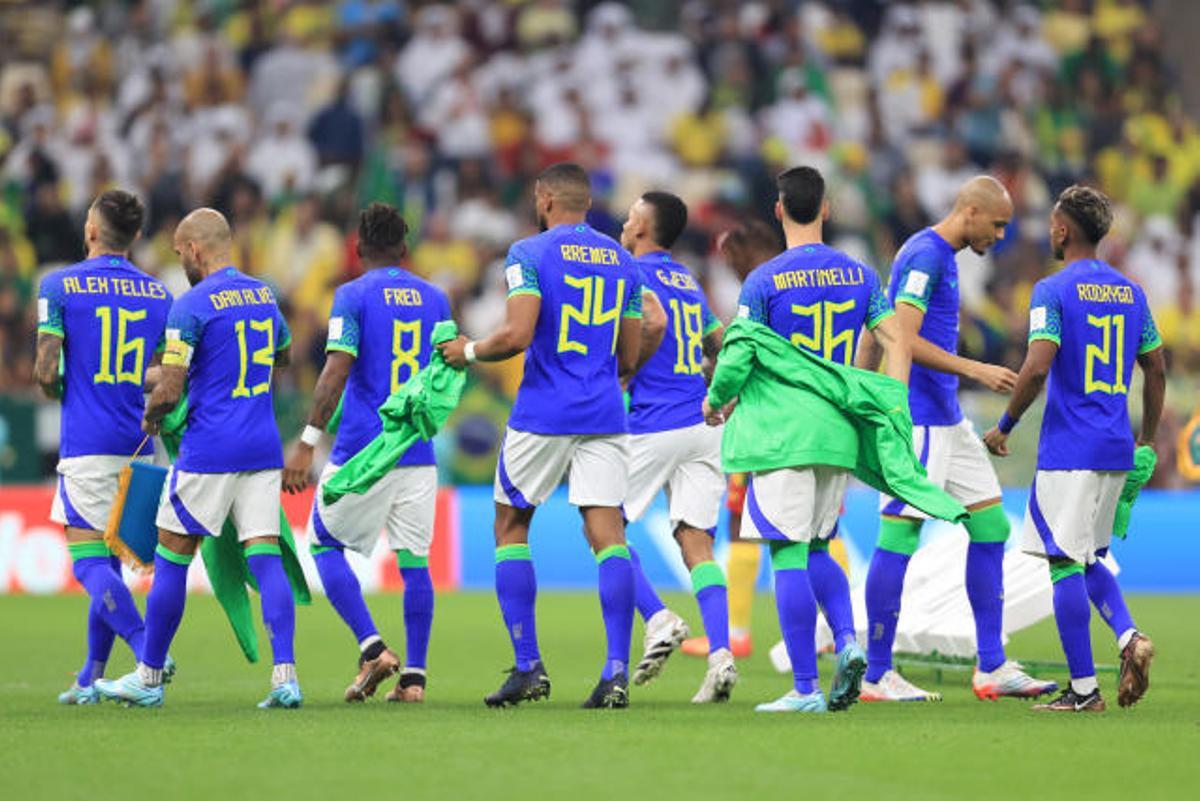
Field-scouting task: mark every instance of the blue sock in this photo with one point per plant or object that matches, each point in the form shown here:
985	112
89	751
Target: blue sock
1072	614
712	596
418	607
516	590
111	599
832	592
616	605
798	622
885	585
100	639
1106	596
164	605
648	602
985	591
344	592
278	605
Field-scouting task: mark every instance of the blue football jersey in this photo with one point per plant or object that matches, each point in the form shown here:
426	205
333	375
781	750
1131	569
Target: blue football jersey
1101	323
925	275
669	390
385	320
817	297
587	283
230	329
111	316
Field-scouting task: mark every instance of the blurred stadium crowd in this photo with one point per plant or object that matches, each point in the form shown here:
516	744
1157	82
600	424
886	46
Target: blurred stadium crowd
288	116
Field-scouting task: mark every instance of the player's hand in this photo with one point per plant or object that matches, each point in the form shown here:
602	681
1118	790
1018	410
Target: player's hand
297	467
714	417
995	377
453	351
151	427
996	441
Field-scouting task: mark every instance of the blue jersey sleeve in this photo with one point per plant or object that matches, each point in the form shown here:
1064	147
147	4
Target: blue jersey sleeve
711	322
1149	339
878	306
283	337
753	302
917	278
520	272
184	330
344	321
50	305
633	298
1045	314
444	306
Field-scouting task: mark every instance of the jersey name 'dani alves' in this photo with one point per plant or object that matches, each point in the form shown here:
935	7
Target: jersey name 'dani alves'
668	392
385	320
925	275
818	298
1101	323
111	317
587	284
227	330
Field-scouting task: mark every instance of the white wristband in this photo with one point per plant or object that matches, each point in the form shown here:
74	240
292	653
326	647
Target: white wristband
310	436
469	352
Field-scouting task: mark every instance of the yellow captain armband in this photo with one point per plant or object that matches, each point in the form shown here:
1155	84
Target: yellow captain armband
177	354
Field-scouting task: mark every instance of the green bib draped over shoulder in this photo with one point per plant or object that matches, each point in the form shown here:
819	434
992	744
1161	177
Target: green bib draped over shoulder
796	409
414	412
225	561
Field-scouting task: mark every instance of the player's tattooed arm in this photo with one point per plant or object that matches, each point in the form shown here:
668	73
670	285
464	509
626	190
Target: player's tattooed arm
283	356
331	383
993	376
629	345
1154	387
511	338
654	328
1030	381
165	396
869	355
45	369
896	344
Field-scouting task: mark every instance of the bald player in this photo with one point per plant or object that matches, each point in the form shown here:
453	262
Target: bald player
924	291
224	338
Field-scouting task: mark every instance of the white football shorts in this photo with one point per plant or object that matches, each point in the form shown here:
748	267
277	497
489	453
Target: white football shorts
956	460
87	486
401	504
531	466
799	504
686	463
1070	513
199	503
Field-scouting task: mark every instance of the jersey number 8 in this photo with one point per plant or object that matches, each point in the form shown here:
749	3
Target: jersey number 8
404	361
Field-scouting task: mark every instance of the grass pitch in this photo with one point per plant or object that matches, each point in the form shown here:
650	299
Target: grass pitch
209	741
